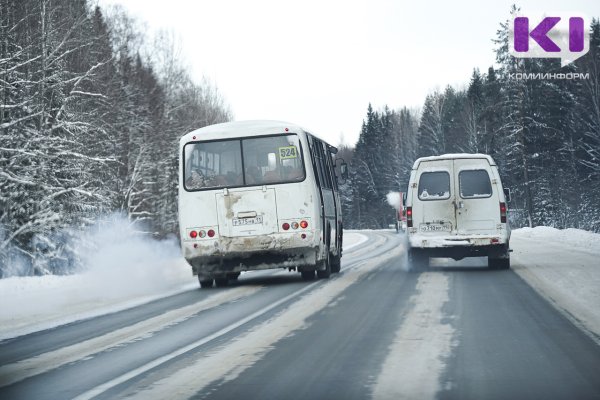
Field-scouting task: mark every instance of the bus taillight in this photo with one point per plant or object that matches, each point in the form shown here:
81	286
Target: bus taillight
211	233
303	224
285	226
193	234
409	221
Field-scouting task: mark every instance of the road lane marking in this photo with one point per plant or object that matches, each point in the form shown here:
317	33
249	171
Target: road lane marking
23	369
228	361
161	360
415	360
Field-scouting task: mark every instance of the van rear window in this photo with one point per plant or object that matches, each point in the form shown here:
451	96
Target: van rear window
434	185
474	184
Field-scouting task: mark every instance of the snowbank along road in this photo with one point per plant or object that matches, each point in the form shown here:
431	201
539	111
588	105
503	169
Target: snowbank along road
376	330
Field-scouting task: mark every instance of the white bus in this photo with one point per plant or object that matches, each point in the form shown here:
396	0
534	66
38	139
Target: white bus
258	195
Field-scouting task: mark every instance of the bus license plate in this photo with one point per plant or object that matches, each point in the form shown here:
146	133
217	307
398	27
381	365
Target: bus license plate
435	228
247	221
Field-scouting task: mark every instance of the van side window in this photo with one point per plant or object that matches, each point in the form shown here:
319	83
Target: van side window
474	184
434	185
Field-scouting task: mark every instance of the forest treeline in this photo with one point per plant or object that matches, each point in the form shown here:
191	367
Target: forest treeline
543	131
91	111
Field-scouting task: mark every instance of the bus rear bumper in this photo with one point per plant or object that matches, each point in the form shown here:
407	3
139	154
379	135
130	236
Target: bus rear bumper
224	255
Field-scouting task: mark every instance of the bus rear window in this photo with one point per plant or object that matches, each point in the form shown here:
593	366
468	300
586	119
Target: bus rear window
243	162
474	184
213	164
272	159
434	185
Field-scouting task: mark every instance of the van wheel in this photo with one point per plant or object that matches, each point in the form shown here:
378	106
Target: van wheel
498	263
418	260
500	258
205	283
308	275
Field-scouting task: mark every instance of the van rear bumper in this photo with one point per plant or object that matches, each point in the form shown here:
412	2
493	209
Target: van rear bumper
433	242
458	253
461	247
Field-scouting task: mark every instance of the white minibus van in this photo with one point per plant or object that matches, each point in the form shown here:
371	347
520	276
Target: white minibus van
456	207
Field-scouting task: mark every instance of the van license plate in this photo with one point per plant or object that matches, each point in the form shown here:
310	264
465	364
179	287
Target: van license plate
247	221
435	228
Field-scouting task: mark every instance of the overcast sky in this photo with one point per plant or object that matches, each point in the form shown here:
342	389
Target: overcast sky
318	63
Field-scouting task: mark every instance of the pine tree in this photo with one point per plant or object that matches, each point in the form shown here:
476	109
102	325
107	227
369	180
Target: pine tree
587	141
491	118
472	114
432	139
455	135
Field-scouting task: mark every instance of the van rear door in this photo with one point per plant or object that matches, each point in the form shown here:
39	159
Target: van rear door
476	197
433	206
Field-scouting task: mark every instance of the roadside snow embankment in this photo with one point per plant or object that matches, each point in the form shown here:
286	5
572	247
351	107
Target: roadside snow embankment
564	266
122	271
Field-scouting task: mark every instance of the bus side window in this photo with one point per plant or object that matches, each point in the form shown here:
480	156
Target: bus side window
317	162
331	168
324	178
326	167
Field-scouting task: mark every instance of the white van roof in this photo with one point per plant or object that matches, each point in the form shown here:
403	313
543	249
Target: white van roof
454	157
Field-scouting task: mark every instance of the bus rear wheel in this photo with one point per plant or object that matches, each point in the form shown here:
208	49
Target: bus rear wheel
336	263
221	281
233	276
308	275
325	273
205	283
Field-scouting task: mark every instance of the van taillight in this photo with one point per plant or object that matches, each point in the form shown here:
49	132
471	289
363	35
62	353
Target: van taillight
409	223
503	213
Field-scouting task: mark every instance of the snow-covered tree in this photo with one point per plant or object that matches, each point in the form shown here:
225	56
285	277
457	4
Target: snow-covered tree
87	126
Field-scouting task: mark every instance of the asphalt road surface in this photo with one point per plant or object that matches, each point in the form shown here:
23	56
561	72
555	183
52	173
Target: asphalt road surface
375	330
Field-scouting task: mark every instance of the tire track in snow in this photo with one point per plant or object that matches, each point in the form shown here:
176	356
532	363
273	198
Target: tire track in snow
23	369
415	361
26	368
228	361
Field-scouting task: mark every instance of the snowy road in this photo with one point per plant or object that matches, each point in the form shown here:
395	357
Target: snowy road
373	331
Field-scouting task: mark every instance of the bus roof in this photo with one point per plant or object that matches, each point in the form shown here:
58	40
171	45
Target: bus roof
454	157
241	129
